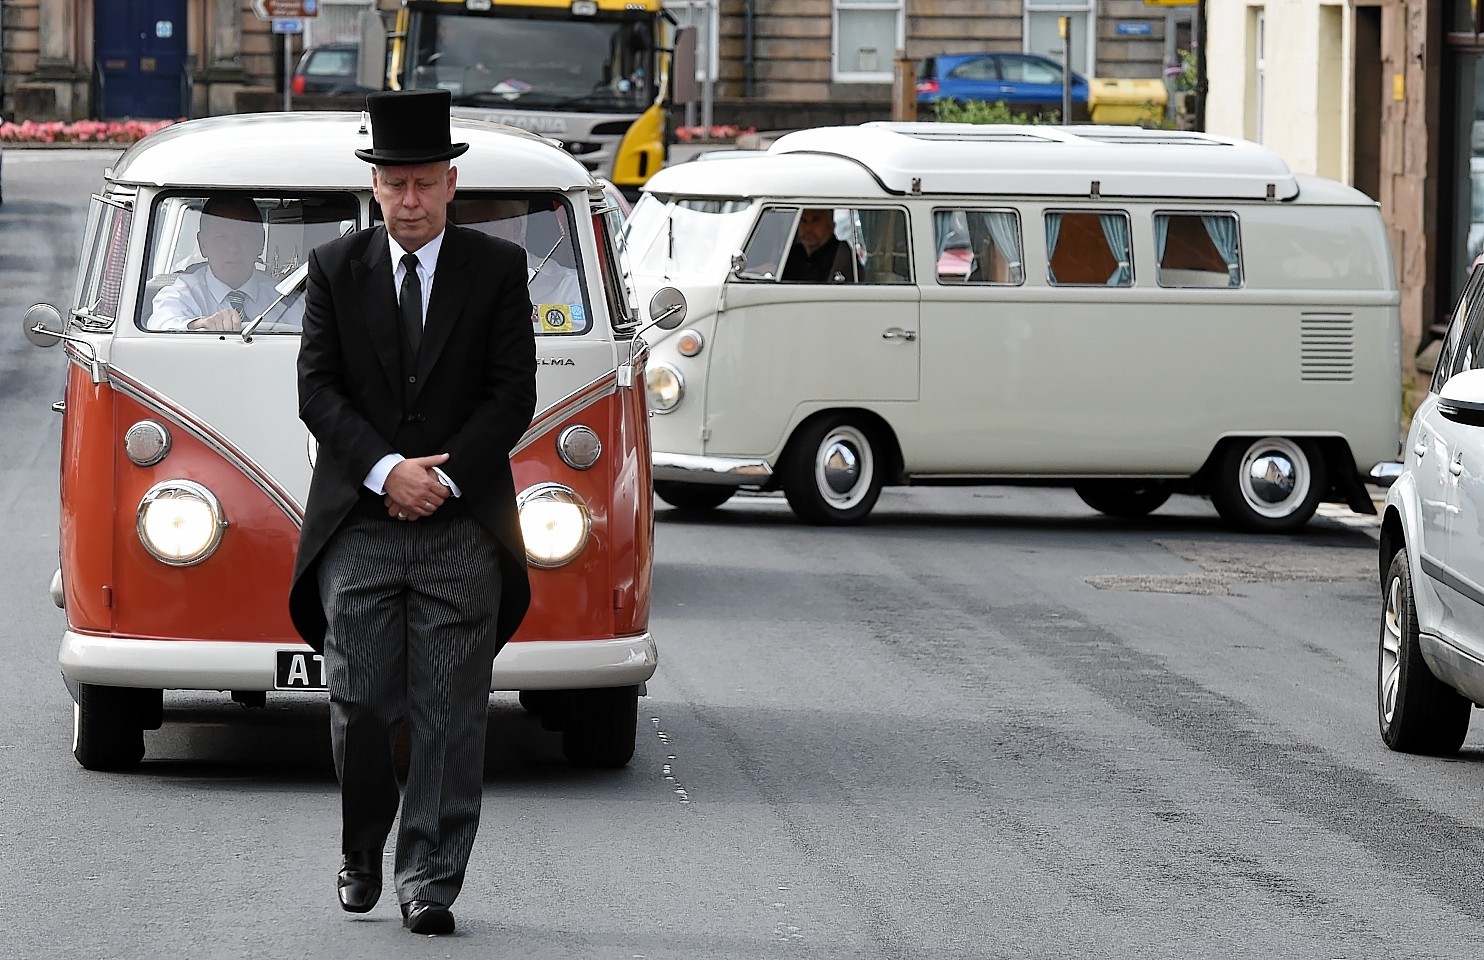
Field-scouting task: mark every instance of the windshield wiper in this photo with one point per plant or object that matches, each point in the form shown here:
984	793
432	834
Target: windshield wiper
286	287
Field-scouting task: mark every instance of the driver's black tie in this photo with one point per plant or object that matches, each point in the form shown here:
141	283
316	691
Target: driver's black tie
237	300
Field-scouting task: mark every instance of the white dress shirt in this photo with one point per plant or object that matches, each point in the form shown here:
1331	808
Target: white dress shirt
199	293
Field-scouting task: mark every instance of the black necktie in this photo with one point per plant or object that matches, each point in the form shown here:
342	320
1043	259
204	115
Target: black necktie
237	300
412	302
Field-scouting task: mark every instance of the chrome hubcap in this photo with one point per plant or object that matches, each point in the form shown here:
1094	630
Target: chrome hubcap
843	467
1391	649
1274	477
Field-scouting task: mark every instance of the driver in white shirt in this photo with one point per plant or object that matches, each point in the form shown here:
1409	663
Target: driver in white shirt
228	290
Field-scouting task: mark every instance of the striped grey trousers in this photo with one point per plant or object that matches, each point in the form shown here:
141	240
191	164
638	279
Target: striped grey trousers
411	610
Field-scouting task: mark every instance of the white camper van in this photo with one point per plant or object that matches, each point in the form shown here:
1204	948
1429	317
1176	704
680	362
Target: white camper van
1131	312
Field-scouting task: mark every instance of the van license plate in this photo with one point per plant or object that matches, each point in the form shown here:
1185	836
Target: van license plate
299	671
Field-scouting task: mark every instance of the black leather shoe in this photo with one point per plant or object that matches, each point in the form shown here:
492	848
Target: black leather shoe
359	882
425	916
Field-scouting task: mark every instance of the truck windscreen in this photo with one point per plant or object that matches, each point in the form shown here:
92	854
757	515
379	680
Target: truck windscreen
534	63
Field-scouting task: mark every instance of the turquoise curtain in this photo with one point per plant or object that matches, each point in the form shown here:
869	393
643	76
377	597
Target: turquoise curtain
1115	231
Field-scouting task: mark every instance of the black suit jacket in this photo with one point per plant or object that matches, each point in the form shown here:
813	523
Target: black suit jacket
472	395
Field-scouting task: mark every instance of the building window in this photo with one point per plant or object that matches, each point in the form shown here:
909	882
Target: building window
868	34
1042	32
1256	68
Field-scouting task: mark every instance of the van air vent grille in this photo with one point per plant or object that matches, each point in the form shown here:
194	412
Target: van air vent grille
1327	347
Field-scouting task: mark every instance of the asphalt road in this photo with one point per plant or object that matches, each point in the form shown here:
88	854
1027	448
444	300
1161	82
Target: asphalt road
988	723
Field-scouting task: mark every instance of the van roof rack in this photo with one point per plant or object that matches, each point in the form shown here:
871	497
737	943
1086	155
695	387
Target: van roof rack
1030	160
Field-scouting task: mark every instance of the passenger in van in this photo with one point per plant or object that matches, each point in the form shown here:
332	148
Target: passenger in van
818	256
228	289
551	271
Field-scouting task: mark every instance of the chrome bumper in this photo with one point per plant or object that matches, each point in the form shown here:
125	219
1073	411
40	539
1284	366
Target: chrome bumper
1384	474
226	665
717	471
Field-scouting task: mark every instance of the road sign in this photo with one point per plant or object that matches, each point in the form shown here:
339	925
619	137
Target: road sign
288	26
285	9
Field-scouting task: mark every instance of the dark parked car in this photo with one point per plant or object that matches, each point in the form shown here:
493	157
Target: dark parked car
328	71
1026	82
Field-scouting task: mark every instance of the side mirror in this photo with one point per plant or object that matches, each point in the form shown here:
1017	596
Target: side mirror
667	308
683	67
1462	398
43	325
372	53
739	260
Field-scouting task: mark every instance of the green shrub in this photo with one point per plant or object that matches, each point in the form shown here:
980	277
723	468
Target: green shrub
981	111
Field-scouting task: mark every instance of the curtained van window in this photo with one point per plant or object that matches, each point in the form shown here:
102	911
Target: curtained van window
978	246
1197	250
1087	248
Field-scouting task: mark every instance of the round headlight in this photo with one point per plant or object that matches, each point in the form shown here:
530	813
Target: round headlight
579	447
146	443
666	387
554	522
180	522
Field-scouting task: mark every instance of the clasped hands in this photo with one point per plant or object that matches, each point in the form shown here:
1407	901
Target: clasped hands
413	490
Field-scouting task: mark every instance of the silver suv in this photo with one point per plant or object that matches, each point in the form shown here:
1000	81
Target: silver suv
1431	663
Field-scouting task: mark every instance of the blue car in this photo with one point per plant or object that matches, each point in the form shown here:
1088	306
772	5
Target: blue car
1027	82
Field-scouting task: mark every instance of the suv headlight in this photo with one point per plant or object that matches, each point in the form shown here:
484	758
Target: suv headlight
554	522
666	387
180	522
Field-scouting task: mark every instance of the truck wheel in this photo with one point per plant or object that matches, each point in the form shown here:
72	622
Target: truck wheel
1418	713
1123	498
108	726
600	726
833	474
1268	485
692	497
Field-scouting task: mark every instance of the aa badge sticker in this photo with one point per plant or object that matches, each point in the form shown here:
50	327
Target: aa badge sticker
555	317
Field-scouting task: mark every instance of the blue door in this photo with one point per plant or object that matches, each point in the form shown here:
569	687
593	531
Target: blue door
140	52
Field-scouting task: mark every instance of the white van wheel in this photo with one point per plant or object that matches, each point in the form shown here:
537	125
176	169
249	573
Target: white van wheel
1417	712
692	497
106	731
1271	484
833	474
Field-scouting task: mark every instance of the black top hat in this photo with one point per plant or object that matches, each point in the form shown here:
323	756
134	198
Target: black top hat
410	126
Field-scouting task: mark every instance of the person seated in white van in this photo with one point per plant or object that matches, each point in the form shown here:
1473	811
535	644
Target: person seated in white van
818	256
227	290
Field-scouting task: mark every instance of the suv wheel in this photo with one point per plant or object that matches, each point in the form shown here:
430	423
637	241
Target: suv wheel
1418	713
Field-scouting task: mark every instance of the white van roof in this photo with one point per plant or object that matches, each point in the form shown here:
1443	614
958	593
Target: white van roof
1031	160
317	151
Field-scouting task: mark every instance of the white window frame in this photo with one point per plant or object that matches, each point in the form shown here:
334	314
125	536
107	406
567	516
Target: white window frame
1259	67
888	61
1088	68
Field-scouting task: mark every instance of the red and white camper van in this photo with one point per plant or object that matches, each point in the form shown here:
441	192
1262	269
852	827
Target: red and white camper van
184	465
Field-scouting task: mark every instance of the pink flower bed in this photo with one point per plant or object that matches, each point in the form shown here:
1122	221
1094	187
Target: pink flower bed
719	131
80	131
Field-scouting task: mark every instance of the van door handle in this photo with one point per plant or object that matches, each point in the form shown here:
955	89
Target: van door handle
897	333
1456	467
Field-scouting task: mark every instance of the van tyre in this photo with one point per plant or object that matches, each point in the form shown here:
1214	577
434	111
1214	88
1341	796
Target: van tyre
1268	484
692	497
1417	712
108	726
834	473
599	727
1123	498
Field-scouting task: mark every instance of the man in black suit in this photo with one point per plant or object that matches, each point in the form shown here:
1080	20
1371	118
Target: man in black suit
411	570
817	255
